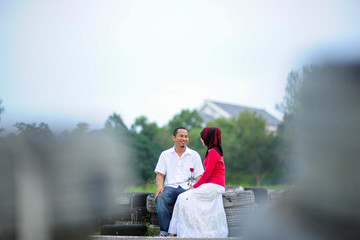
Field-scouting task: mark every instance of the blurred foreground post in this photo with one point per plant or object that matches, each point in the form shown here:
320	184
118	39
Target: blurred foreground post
325	203
58	187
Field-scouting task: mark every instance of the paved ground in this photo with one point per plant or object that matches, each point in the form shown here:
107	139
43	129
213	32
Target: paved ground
150	238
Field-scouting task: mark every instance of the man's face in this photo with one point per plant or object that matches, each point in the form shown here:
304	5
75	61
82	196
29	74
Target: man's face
181	139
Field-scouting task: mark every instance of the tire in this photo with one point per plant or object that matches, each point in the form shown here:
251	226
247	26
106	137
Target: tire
106	220
138	200
237	217
121	210
238	198
121	213
127	204
276	195
132	199
124	199
150	203
124	229
154	219
155	229
242	210
235	231
139	214
261	195
234	188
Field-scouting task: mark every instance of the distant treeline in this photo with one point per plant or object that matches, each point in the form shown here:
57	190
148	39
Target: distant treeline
252	154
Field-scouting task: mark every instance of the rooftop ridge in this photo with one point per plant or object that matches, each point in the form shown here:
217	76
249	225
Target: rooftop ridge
236	105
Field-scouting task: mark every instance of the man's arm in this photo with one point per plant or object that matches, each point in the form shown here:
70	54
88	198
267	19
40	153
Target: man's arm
159	183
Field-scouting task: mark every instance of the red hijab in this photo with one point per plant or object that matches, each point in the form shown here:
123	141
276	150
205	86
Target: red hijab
212	139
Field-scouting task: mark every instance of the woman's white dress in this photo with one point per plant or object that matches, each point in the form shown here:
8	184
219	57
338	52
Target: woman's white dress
200	213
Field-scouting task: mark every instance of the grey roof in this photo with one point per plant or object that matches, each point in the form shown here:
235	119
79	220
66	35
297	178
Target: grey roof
206	117
234	110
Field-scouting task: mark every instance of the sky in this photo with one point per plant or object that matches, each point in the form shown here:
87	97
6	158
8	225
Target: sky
65	62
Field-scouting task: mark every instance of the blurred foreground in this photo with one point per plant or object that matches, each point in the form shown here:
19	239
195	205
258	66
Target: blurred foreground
57	187
325	201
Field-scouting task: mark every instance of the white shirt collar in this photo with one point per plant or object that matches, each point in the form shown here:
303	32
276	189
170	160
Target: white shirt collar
187	150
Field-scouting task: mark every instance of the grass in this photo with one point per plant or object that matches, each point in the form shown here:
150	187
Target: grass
274	187
145	188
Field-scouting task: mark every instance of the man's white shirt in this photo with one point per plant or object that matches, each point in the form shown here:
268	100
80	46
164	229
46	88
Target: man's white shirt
177	169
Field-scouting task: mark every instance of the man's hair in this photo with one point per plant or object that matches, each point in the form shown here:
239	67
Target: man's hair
176	130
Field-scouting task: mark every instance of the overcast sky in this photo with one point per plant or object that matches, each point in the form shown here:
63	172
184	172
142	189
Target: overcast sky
64	62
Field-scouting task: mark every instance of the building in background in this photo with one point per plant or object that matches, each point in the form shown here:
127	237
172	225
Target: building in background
211	110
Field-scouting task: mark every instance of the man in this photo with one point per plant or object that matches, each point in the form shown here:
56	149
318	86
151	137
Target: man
175	163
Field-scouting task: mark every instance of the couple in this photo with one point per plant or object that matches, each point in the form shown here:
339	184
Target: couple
199	211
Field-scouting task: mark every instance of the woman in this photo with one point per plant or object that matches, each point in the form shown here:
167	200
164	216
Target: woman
199	212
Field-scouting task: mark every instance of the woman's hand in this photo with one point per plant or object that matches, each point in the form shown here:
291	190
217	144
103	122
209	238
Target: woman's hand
191	187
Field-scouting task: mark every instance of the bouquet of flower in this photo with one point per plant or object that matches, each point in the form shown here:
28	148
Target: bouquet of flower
191	178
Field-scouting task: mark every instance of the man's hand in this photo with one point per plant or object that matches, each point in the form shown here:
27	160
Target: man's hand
158	191
159	183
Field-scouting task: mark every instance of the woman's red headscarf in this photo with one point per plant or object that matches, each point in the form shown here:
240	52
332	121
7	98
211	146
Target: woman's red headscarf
212	139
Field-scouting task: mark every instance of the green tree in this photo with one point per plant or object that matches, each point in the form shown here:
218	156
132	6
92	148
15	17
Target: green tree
2	110
81	128
146	155
235	172
255	145
163	137
292	100
125	139
142	142
115	126
187	119
32	129
147	149
294	85
248	148
142	126
289	106
115	122
195	143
